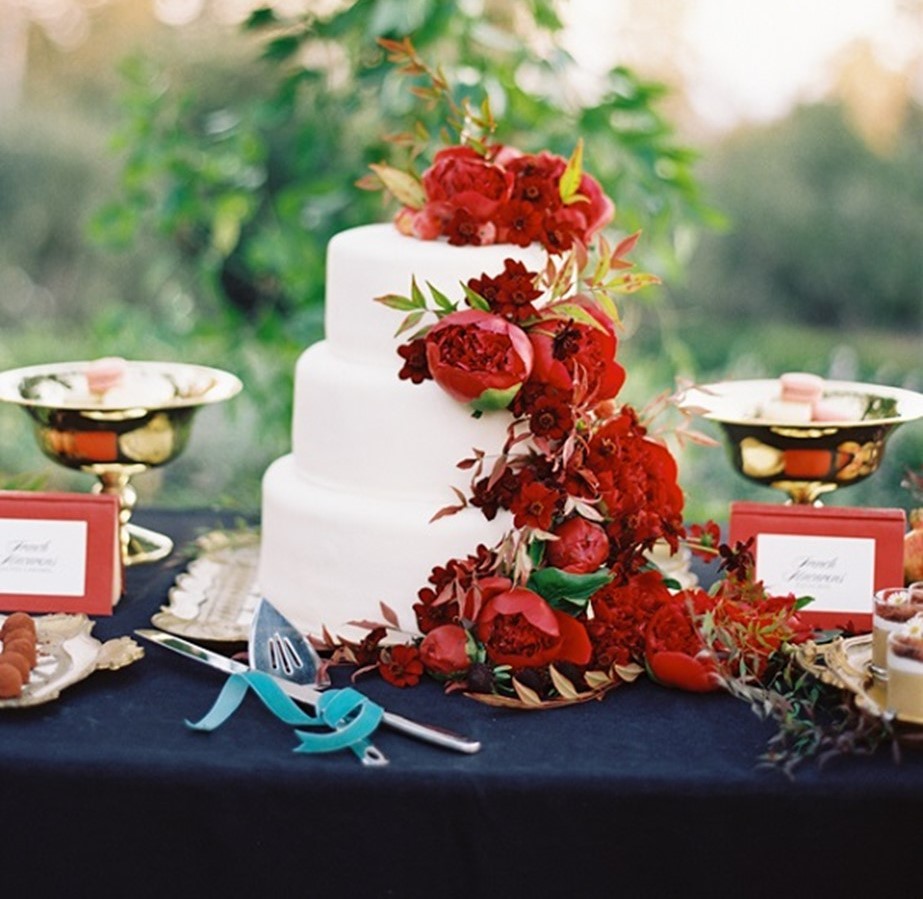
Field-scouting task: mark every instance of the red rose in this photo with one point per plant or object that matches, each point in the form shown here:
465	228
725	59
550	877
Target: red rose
577	357
520	629
444	651
676	655
582	546
462	179
479	358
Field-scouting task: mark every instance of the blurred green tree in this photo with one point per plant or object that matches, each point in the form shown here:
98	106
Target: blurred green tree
243	180
824	229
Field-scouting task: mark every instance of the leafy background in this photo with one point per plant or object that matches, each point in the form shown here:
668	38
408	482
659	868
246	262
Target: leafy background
171	197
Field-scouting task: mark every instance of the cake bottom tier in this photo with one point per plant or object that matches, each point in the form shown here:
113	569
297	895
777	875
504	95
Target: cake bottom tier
328	558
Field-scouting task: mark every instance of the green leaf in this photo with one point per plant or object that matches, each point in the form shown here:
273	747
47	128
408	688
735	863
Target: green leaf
629	283
441	300
475	300
416	295
570	179
492	399
403	186
561	589
411	321
396	301
577	313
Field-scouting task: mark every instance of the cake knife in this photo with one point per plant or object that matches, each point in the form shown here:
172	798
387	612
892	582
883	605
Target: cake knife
308	695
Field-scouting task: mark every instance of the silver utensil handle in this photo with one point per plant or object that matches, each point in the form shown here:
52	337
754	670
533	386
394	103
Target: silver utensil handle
430	733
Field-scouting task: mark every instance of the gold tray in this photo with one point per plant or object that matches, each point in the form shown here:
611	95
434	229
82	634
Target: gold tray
215	597
846	663
68	653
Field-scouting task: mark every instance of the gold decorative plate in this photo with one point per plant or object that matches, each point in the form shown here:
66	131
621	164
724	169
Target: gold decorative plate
846	663
215	597
67	653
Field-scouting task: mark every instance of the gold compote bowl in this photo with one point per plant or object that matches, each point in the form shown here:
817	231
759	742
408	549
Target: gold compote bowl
805	459
116	424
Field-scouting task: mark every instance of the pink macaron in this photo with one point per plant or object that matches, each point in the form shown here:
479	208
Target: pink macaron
106	373
801	387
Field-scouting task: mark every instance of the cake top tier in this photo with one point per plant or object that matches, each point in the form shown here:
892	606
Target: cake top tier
374	260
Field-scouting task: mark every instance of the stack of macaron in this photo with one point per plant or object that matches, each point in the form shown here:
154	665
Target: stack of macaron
801	400
18	653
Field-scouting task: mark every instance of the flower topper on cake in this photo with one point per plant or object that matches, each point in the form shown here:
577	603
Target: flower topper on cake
480	192
568	604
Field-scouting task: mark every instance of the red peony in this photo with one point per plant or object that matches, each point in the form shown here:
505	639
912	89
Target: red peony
621	612
582	546
518	628
576	357
676	653
462	180
444	651
478	358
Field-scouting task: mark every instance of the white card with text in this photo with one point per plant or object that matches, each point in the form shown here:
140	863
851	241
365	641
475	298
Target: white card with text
838	572
43	557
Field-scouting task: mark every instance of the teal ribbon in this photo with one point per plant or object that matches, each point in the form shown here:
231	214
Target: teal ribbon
350	716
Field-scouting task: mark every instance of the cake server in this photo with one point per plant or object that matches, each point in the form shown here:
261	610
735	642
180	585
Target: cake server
371	756
277	647
309	695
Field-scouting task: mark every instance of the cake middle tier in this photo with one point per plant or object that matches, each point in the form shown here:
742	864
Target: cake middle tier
329	558
361	429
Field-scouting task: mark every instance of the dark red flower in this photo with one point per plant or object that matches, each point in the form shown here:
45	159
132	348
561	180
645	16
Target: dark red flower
582	546
463	229
638	486
519	223
509	294
518	628
400	665
534	505
551	418
537	179
704	539
442	602
444	651
490	498
478	358
415	368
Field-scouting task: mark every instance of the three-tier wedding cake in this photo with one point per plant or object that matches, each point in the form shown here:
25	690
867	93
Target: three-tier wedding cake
347	515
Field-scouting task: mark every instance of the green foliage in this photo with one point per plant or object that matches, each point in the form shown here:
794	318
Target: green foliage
244	189
824	231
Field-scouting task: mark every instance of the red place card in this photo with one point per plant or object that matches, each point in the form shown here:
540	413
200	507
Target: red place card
840	556
59	552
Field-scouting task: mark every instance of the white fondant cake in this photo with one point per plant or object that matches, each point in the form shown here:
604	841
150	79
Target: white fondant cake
346	516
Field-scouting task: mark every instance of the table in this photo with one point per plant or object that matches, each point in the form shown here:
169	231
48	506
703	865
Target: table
650	792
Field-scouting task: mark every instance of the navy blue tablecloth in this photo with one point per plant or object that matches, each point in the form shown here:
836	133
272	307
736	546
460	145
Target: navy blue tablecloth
650	792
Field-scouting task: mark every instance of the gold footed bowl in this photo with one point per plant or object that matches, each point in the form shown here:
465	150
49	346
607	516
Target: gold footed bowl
135	416
805	460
